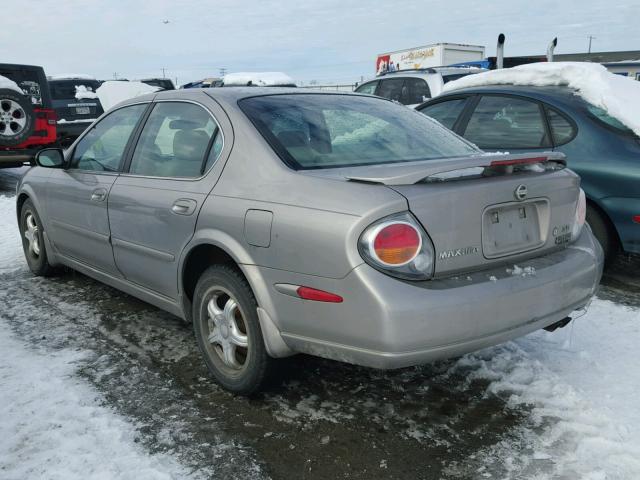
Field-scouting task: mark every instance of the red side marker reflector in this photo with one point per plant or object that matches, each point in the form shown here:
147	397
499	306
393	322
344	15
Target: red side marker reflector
519	161
308	293
636	218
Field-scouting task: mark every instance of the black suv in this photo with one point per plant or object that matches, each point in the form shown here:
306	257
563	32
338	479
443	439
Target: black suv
27	119
76	104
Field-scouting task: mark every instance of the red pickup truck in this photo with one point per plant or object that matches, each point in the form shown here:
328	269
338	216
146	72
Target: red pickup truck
27	119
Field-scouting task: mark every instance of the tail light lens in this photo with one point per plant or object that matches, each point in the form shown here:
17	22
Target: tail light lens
398	246
580	215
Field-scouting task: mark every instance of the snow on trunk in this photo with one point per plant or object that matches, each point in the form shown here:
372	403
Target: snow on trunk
618	95
113	92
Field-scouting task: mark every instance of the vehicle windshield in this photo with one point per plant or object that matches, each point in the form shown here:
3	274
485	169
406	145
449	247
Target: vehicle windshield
312	131
603	116
65	89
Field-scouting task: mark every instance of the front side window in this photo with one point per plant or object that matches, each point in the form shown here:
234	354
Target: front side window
368	88
103	147
446	112
174	141
507	122
415	90
328	131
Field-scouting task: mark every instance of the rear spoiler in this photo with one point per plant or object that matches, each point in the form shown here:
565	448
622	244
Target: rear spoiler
434	171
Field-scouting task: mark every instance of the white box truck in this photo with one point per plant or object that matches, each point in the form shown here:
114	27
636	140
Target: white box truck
436	55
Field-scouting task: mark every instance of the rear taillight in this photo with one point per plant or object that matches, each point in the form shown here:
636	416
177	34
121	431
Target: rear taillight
580	215
398	246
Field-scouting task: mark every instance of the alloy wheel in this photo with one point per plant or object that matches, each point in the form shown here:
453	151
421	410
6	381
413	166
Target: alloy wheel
13	118
227	329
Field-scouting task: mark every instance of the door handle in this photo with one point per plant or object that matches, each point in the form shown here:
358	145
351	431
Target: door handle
184	206
98	195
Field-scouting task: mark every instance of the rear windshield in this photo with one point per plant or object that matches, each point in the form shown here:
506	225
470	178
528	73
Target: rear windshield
312	131
454	76
66	89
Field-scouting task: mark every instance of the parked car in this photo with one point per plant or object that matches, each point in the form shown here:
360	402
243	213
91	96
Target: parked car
76	104
598	147
412	87
163	83
340	225
27	119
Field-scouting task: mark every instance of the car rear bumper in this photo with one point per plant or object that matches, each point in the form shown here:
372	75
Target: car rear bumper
387	323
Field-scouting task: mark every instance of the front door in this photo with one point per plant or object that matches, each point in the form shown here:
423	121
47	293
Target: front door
77	197
153	207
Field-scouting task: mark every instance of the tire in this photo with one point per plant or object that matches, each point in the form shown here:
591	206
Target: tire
17	119
225	317
602	231
32	234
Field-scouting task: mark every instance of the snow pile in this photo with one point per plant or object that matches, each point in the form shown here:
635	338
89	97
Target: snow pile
10	84
618	95
71	76
582	384
84	92
258	79
113	92
53	425
10	253
519	271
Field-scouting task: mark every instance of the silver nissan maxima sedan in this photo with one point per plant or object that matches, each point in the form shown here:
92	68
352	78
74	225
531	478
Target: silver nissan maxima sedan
340	225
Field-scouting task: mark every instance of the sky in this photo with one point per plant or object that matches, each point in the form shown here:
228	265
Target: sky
329	41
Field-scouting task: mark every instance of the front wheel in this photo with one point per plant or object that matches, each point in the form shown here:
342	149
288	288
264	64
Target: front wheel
226	325
32	234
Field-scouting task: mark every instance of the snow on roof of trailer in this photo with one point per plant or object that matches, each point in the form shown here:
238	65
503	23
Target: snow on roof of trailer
10	84
258	79
619	96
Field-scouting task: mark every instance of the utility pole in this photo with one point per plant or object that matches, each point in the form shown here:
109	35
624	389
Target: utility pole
163	75
591	37
115	75
223	72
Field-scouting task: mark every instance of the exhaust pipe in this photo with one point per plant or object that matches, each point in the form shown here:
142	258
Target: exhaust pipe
500	51
551	48
559	324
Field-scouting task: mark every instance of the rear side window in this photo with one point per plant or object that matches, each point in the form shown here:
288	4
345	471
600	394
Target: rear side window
415	90
391	89
66	89
507	122
368	88
30	80
446	112
174	141
103	147
329	131
561	129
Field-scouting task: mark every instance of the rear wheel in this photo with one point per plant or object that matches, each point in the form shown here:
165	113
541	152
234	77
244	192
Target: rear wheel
602	231
32	235
227	329
16	118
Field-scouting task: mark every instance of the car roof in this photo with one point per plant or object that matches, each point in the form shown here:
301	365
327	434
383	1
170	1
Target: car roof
557	93
233	94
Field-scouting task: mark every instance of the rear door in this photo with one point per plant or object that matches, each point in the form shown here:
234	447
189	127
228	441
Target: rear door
507	122
77	197
153	207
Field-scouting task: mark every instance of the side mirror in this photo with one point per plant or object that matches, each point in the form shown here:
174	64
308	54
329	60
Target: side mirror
50	158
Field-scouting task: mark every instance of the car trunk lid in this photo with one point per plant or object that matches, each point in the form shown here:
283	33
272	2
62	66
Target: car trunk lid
489	209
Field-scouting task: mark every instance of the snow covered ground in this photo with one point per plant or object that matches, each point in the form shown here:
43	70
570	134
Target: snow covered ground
567	401
53	425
